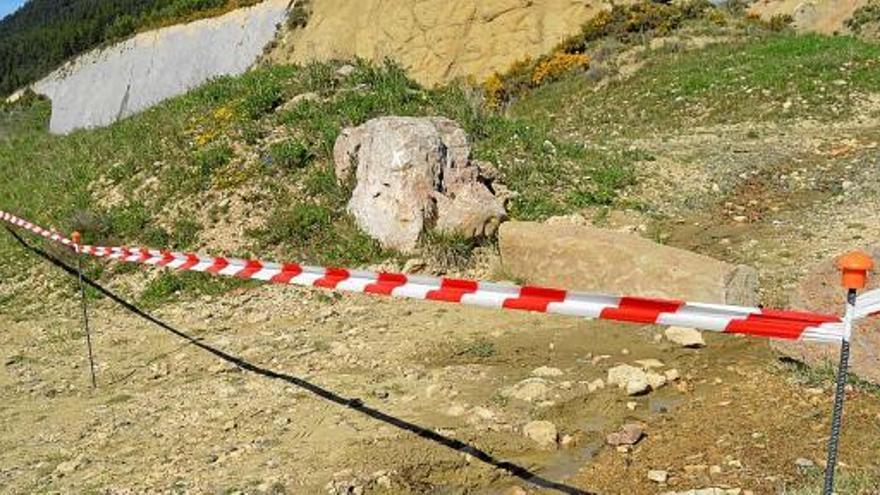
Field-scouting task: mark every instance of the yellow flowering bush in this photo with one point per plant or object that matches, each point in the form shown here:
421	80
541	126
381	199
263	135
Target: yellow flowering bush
558	64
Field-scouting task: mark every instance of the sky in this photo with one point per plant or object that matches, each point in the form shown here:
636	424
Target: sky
9	6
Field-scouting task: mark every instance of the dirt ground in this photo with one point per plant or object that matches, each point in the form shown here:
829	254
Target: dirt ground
321	393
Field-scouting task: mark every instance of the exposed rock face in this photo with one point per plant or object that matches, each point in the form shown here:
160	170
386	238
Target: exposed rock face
437	41
821	16
820	291
108	84
413	174
597	260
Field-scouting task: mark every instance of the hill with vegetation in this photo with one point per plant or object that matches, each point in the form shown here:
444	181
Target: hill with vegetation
45	33
698	127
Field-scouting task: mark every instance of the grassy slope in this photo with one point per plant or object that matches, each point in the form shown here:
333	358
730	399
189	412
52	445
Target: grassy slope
231	135
774	78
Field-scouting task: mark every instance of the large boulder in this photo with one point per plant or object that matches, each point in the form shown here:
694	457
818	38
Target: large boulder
586	258
820	291
413	174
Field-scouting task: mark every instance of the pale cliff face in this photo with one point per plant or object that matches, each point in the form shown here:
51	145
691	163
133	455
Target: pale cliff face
105	85
437	41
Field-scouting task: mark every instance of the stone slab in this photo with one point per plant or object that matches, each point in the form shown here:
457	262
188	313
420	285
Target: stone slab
586	258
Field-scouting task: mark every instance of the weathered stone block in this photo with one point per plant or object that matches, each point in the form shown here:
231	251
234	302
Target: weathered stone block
596	260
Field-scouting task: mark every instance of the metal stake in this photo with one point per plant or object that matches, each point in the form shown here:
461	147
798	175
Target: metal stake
85	310
840	393
854	267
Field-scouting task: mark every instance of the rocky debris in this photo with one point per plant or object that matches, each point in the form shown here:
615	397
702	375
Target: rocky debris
635	380
547	372
597	260
345	70
685	337
658	476
542	432
804	463
649	363
414	174
628	434
597	384
819	291
309	97
638	386
515	490
655	380
108	84
529	390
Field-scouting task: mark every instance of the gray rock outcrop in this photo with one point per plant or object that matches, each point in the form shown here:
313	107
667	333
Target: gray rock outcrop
105	85
414	174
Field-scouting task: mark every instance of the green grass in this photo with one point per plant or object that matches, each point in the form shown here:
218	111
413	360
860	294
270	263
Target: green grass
238	134
846	482
769	78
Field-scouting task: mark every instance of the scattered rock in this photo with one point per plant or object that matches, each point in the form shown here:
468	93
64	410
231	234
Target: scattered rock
542	432
672	375
515	490
685	337
656	380
649	364
595	385
621	375
628	434
803	463
345	71
529	390
633	380
638	386
547	372
658	476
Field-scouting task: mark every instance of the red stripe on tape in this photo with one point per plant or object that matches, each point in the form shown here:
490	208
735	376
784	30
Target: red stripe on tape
640	310
762	326
144	255
167	257
218	265
192	260
452	290
332	277
386	283
535	299
288	271
250	268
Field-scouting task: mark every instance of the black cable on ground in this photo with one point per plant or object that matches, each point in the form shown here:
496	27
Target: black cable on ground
351	403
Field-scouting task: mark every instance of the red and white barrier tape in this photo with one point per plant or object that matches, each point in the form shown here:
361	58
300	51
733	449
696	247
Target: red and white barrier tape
788	325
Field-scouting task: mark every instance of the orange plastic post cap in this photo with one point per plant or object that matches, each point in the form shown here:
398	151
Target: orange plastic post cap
76	237
855	267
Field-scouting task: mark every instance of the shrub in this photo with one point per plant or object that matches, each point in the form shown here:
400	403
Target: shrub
623	23
779	22
864	15
298	18
291	155
208	160
558	64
